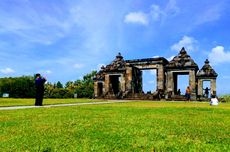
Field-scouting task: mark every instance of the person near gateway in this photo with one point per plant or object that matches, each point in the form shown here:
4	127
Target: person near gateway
206	92
39	84
178	92
188	93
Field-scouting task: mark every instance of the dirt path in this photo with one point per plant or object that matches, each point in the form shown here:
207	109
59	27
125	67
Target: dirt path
65	105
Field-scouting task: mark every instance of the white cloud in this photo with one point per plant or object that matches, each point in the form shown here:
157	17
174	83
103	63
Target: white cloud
7	71
156	13
219	55
189	43
78	66
137	18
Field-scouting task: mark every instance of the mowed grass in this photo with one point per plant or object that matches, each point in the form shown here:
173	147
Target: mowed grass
5	102
133	126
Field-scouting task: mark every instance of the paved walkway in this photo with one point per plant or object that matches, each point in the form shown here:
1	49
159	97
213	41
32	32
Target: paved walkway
65	105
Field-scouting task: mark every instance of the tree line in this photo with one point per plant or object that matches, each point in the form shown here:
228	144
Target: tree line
23	87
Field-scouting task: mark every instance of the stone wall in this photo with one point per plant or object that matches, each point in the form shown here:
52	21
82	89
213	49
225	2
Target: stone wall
130	75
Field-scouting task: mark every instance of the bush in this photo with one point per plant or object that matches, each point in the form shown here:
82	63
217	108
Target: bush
225	98
18	87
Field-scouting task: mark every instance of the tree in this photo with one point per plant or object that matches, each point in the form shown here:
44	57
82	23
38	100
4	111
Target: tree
84	88
70	86
18	87
53	91
59	85
23	87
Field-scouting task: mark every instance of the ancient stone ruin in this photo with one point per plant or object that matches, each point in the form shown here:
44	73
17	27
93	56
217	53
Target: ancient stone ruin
123	78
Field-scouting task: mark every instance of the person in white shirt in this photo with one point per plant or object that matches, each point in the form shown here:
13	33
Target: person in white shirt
214	101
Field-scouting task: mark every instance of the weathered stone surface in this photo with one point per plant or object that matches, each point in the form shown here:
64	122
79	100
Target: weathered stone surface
160	77
200	87
192	84
123	78
128	78
117	64
100	76
122	83
106	84
207	71
95	89
170	83
213	87
182	60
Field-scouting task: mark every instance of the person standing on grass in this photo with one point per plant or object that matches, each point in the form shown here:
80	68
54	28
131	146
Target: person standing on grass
39	84
187	93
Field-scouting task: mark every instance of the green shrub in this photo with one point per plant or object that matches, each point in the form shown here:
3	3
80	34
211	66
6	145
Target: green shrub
225	98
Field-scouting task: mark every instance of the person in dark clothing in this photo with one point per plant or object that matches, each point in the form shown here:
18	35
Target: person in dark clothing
178	92
39	84
206	92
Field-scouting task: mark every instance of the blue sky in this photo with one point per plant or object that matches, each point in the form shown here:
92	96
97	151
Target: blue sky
65	39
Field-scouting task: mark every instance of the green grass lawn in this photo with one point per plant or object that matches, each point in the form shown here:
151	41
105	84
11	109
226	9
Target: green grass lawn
29	102
134	126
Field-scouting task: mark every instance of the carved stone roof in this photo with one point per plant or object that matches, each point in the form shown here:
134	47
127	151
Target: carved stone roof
100	76
118	64
182	60
207	71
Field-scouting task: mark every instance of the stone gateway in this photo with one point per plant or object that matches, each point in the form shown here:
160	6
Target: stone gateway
123	78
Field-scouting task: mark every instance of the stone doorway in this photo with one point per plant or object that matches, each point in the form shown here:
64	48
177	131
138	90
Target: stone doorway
181	81
182	84
149	80
100	88
206	88
115	87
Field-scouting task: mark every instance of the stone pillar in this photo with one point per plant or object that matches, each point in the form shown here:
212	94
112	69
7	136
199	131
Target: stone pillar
122	82
200	87
169	84
175	80
129	79
192	84
160	77
106	83
140	82
95	89
103	89
213	87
